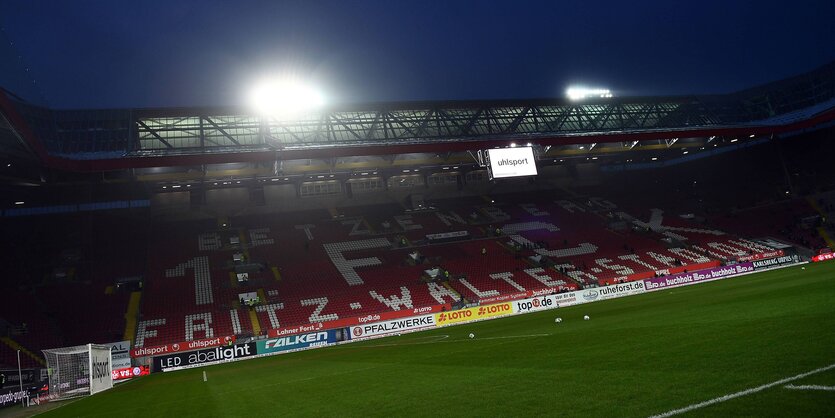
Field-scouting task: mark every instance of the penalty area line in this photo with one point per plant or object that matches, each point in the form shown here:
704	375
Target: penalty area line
742	393
810	387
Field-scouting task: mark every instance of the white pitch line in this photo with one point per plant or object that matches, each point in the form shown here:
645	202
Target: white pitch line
513	336
443	339
745	392
811	387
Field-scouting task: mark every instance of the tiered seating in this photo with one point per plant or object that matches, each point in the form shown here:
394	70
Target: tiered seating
320	268
349	266
780	219
8	359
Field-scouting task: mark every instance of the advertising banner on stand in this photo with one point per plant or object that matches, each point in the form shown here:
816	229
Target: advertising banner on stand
183	346
505	297
761	256
683	279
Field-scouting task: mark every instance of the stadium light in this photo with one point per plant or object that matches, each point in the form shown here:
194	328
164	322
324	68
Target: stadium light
284	97
580	93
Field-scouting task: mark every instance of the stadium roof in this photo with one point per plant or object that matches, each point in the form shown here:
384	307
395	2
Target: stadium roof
101	140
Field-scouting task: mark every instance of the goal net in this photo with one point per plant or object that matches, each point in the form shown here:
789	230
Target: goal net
78	371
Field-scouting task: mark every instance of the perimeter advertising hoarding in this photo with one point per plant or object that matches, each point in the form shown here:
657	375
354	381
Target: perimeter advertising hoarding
473	314
610	292
297	342
535	304
129	372
349	322
119	354
511	162
205	356
12	377
682	279
774	262
823	257
392	327
13	396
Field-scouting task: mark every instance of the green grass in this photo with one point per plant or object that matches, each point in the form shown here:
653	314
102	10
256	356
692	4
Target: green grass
638	356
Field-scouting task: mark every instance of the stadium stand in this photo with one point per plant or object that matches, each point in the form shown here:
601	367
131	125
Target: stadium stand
125	251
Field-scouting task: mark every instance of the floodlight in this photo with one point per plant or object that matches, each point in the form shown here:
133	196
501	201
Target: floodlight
579	93
284	97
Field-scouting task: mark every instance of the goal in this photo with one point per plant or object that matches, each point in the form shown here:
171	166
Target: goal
78	371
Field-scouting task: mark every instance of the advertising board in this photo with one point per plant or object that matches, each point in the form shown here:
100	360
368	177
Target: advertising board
349	322
392	327
610	292
762	256
682	279
120	354
297	342
473	314
13	396
129	372
540	303
823	257
183	346
774	262
203	357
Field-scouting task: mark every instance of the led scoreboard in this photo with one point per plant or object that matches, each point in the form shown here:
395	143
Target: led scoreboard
511	162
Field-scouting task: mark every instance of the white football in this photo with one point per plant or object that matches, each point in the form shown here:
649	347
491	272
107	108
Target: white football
472	335
586	318
558	320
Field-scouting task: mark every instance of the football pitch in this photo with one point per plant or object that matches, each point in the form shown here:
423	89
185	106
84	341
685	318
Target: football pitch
755	338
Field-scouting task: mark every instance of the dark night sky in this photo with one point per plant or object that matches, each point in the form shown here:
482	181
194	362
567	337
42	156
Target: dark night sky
140	53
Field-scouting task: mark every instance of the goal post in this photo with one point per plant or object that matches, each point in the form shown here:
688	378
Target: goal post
78	371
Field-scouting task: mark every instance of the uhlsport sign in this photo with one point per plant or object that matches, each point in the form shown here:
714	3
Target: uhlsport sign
183	346
204	357
511	162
